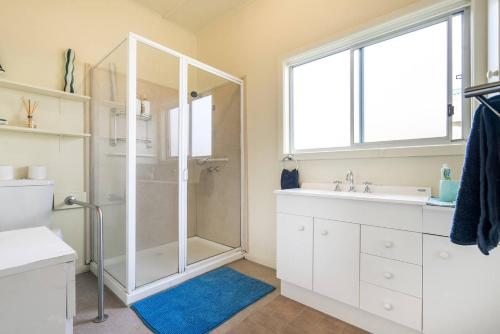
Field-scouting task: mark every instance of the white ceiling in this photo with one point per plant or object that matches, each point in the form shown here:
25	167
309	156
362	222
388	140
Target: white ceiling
191	14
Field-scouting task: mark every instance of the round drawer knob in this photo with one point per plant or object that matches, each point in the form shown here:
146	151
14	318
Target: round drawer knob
324	233
444	255
301	228
388	306
388	244
388	275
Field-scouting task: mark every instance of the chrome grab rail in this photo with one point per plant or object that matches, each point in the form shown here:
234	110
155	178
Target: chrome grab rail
71	200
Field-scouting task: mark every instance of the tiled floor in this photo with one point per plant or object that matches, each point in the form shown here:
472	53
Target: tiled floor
272	314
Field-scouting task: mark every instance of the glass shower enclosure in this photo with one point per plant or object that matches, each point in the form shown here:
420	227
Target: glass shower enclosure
166	166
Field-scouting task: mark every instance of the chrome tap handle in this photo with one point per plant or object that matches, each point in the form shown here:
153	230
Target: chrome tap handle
366	188
337	184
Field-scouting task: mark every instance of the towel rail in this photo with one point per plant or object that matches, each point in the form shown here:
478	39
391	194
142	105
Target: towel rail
480	91
291	157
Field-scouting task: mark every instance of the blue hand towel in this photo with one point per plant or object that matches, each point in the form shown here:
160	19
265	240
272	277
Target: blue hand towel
477	213
289	179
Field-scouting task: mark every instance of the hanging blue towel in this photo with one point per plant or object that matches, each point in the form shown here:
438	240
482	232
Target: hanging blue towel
289	179
477	213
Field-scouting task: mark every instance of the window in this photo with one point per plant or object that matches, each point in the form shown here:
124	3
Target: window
404	88
201	128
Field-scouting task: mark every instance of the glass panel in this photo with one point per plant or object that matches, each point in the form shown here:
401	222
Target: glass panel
214	163
457	66
108	144
405	86
356	94
321	103
157	216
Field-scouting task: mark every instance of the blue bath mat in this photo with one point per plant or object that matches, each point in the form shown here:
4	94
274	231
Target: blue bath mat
200	304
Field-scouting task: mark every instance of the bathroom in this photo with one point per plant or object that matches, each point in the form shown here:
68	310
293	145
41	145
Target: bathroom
176	120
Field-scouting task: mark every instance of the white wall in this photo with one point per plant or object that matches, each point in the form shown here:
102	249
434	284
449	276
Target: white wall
35	35
252	41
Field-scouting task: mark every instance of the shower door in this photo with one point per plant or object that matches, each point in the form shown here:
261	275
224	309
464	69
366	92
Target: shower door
214	163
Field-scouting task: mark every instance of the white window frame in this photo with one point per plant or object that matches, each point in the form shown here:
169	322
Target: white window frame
394	28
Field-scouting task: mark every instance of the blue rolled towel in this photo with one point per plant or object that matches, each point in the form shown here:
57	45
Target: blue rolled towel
477	214
289	179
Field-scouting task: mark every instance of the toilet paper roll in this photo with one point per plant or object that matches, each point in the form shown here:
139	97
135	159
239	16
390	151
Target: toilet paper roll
6	172
37	172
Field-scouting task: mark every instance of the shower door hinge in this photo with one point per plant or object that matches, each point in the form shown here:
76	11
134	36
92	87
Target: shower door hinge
186	174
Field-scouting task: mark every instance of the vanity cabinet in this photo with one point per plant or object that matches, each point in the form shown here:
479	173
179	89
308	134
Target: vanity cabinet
339	257
336	260
295	250
319	255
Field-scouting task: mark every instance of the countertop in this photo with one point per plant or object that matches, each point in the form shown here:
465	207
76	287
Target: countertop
410	199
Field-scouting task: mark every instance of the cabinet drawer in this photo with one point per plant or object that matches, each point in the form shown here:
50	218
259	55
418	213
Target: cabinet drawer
395	306
392	244
391	274
295	249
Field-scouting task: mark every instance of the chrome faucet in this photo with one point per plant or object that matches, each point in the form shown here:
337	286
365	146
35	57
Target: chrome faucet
350	181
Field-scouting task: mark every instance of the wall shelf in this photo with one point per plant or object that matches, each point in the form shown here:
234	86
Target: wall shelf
42	91
43	132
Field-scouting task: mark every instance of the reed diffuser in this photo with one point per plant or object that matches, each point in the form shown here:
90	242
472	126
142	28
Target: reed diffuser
30	107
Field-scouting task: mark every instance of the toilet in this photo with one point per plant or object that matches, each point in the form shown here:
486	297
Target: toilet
37	269
25	203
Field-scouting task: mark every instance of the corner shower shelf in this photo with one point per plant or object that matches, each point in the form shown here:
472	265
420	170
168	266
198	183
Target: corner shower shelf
42	91
114	139
43	132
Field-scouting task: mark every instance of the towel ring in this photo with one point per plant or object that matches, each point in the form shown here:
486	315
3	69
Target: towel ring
291	157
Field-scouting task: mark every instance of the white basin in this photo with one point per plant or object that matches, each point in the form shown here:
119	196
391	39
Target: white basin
390	194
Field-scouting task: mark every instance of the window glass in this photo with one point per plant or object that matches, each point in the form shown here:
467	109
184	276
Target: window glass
456	78
201	127
405	86
321	103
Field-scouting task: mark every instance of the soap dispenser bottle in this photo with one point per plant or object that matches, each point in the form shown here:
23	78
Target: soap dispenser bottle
448	188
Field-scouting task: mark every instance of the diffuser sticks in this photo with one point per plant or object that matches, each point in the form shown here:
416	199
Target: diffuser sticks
30	107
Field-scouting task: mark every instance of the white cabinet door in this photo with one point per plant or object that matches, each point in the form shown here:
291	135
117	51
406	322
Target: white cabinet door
295	249
336	260
461	288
